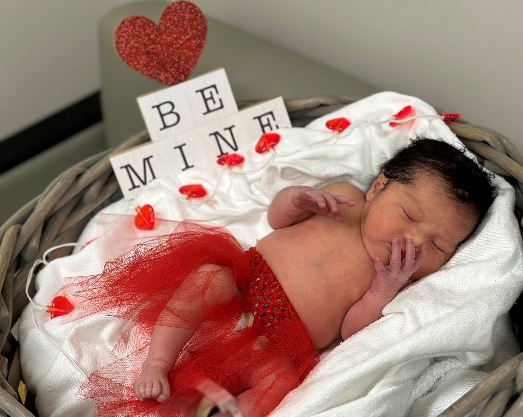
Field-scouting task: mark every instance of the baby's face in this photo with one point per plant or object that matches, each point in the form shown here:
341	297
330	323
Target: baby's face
420	211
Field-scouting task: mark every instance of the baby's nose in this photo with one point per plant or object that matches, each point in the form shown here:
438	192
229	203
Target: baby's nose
416	241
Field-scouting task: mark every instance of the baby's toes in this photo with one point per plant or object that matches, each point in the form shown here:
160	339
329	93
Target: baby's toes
156	389
162	397
165	391
137	391
140	390
148	389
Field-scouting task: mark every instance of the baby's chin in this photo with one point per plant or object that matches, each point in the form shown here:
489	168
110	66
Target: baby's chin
380	252
422	273
417	276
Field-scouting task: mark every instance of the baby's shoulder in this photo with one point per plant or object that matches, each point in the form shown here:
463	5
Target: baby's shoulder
345	189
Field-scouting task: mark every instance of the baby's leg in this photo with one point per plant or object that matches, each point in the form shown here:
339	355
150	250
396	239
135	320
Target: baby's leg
171	333
269	386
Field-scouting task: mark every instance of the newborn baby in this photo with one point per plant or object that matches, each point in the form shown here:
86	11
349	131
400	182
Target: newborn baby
337	256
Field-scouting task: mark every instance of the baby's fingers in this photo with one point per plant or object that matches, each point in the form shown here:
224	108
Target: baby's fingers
340	199
315	198
380	268
420	258
395	259
410	255
331	202
334	199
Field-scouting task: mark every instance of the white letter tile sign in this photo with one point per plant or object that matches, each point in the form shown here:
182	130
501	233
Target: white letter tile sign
198	148
186	105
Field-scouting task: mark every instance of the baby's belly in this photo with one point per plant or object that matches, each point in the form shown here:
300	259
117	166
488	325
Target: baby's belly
317	278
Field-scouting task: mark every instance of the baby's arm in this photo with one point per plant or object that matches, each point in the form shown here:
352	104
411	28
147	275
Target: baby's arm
295	204
388	282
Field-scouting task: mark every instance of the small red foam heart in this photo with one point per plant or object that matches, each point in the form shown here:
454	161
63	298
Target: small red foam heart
267	141
144	219
231	159
338	125
450	117
60	306
404	113
166	52
193	190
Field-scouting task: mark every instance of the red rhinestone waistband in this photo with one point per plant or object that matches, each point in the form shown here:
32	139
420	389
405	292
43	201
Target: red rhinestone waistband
264	296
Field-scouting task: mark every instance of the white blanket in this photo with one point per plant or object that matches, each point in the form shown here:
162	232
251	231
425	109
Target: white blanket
416	360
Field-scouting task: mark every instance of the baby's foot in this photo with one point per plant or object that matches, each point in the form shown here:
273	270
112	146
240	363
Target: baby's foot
152	383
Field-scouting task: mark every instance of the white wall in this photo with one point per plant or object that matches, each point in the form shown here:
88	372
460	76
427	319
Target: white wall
48	57
459	55
464	56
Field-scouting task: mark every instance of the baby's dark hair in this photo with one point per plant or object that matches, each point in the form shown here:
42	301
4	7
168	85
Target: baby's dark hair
466	181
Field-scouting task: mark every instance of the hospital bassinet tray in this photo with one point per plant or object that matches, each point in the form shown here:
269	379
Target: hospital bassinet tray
60	213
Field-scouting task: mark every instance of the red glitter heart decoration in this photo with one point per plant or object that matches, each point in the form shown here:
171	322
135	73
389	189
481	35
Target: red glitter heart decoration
231	160
338	125
193	190
144	219
267	141
166	52
404	113
60	306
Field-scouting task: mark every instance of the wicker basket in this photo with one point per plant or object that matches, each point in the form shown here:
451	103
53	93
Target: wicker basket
60	213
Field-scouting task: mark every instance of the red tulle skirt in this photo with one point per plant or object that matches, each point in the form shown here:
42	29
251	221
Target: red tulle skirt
140	284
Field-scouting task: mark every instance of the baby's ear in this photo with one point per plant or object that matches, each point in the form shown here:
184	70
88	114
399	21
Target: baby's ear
377	185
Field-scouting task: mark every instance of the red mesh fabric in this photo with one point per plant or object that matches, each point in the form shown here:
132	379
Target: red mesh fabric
264	361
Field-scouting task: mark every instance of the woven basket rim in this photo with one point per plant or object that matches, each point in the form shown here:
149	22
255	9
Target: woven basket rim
61	211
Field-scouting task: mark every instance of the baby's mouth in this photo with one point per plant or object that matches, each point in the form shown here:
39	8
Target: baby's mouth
404	251
403	248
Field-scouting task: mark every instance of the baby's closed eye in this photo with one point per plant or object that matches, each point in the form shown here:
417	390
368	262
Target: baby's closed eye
437	247
444	248
407	214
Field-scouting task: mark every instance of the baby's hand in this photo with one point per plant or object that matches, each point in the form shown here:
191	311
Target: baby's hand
321	202
391	279
152	383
